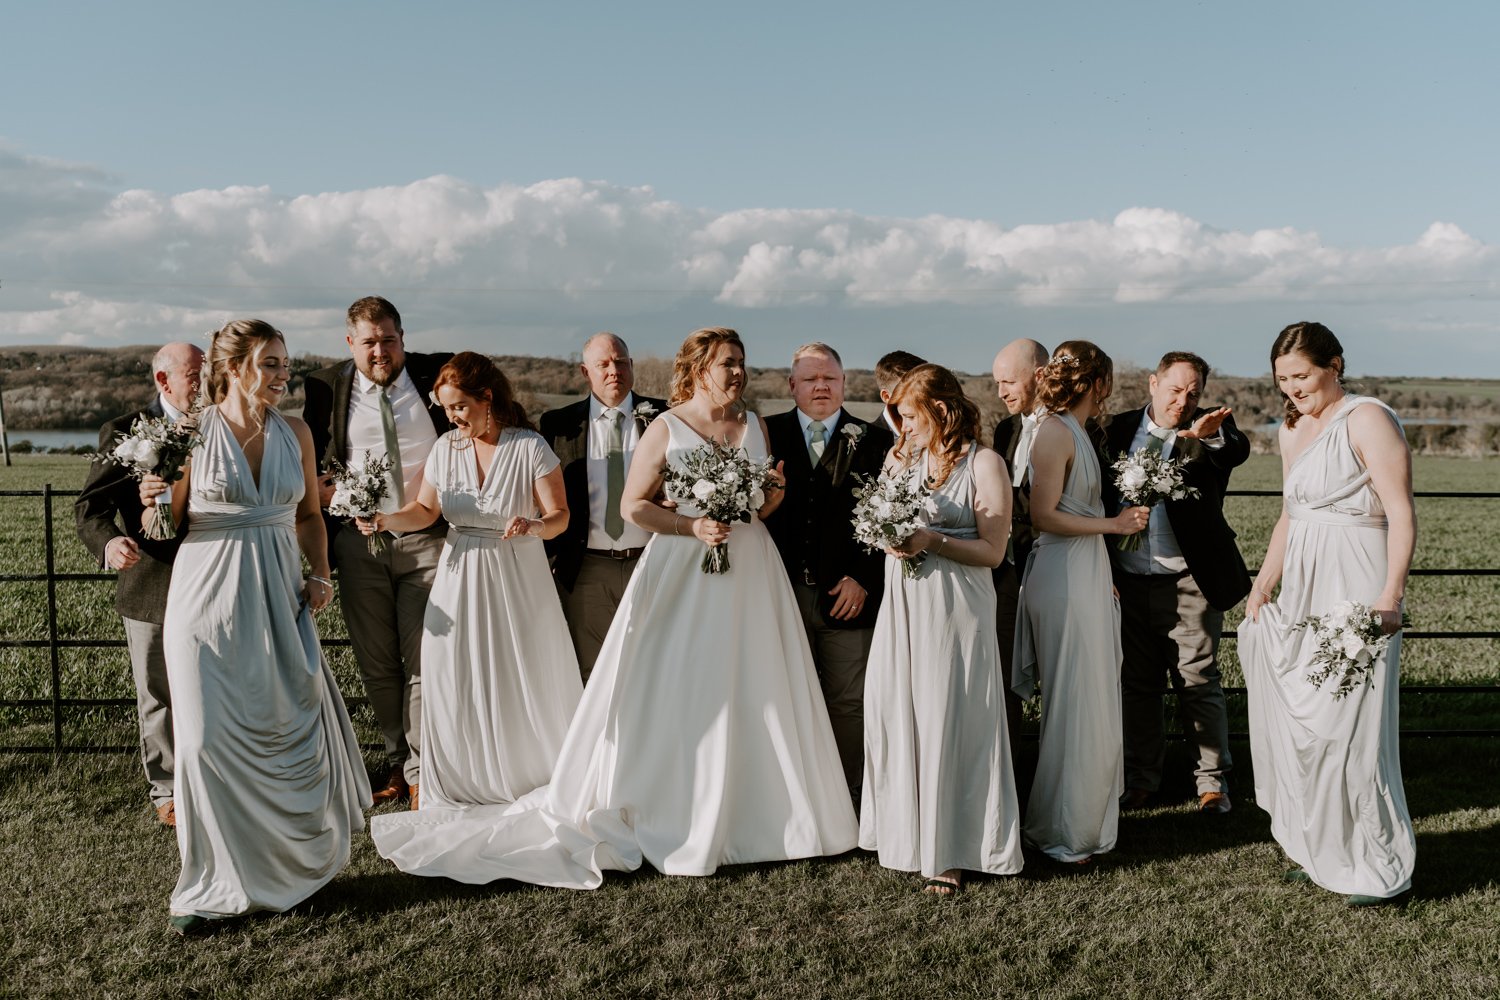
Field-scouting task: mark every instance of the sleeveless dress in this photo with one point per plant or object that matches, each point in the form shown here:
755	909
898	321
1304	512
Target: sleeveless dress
270	785
1068	637
939	789
1329	770
499	676
701	739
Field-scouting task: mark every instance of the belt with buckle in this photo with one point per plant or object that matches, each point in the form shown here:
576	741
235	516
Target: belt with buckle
620	554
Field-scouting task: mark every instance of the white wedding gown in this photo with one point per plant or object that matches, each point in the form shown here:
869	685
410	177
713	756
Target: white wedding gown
1329	770
1068	636
269	781
701	740
499	675
939	790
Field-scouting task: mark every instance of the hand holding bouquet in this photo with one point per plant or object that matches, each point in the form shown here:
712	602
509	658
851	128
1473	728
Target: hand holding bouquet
1145	479
156	446
888	510
726	484
359	493
1349	641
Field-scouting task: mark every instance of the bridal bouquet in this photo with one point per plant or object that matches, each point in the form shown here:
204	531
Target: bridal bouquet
889	508
156	446
1145	479
725	483
359	493
1349	641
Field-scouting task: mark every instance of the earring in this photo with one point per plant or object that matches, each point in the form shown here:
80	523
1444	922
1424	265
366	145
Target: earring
487	414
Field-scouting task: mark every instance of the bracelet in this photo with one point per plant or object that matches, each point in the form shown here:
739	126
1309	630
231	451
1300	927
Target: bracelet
677	525
940	545
323	580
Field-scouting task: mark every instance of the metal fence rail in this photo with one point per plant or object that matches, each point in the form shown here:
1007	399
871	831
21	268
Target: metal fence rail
54	643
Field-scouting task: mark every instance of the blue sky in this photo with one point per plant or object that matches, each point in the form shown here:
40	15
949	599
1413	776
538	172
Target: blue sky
942	177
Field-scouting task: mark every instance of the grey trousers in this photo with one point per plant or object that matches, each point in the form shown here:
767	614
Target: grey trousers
590	606
839	655
153	705
1170	635
384	599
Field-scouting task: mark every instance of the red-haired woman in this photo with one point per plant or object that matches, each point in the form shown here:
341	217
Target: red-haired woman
1068	622
940	791
499	677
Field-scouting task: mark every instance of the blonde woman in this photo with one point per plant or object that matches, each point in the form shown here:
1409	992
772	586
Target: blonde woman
269	784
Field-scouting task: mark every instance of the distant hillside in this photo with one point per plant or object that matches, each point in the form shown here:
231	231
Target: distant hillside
47	387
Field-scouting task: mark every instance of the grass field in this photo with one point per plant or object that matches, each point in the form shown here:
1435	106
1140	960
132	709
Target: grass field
1186	906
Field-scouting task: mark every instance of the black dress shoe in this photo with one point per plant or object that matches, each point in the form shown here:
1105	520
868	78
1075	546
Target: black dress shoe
1133	799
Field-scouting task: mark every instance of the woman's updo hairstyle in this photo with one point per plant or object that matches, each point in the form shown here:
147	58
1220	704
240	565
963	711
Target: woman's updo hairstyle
694	357
1076	369
1317	344
936	392
474	374
236	349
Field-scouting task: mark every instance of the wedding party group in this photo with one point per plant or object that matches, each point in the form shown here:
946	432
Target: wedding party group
676	632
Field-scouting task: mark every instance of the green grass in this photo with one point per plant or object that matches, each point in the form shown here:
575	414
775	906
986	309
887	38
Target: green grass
1185	906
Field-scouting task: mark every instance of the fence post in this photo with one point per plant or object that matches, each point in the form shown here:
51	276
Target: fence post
57	740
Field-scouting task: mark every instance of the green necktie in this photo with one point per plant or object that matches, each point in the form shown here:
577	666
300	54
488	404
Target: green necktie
392	450
1155	444
614	525
819	441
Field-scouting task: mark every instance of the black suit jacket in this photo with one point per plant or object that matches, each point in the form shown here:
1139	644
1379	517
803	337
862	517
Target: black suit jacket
326	411
812	527
1022	534
1205	537
110	506
566	432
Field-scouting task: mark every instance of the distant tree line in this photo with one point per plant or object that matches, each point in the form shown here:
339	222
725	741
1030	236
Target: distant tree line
73	387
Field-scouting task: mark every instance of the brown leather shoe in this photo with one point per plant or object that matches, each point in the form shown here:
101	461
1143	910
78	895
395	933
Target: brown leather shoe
414	798
166	813
1213	802
394	790
1133	799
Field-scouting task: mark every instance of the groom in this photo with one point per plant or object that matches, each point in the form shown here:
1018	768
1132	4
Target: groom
380	402
838	584
595	438
108	517
1175	588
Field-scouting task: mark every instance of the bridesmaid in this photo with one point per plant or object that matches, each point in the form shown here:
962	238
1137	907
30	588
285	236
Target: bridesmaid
499	676
1328	770
1068	621
939	790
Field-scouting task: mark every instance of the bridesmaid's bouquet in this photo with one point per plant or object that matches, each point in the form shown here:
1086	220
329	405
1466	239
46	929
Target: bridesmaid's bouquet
725	483
889	508
360	492
1145	479
1349	641
156	446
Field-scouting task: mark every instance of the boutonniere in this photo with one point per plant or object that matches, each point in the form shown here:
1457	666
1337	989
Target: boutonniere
644	412
853	432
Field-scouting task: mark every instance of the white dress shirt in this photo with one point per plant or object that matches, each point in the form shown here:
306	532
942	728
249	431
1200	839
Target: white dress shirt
1022	460
171	411
1159	553
633	537
828	428
415	434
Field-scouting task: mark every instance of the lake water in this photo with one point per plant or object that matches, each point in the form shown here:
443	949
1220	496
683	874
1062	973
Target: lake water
54	437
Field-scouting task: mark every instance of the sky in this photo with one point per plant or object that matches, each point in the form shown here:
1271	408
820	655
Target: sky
940	177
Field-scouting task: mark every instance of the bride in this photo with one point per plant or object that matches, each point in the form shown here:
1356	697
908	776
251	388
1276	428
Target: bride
702	738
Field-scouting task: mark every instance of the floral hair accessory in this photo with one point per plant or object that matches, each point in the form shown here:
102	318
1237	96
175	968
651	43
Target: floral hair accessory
1065	361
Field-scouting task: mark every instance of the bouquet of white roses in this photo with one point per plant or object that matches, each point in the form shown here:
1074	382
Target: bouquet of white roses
360	492
1145	479
159	446
1349	641
725	483
889	508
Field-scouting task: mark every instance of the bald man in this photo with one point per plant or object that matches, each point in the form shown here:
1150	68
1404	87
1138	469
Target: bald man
594	438
1015	370
108	518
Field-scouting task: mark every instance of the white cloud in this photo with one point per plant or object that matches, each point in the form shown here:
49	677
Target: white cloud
81	261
